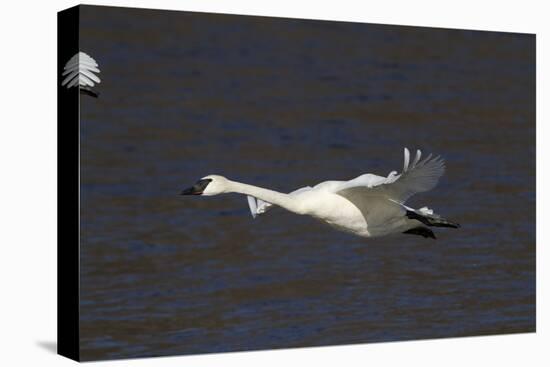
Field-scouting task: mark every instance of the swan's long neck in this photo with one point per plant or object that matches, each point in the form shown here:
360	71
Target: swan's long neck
277	198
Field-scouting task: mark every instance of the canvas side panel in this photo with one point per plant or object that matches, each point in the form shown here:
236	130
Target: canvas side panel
68	191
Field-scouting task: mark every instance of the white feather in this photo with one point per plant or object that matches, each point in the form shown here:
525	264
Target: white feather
252	205
79	70
406	161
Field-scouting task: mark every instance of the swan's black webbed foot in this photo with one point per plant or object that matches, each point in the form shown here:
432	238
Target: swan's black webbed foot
432	220
421	231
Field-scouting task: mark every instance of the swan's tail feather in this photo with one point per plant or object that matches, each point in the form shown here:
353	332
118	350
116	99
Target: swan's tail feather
428	217
257	206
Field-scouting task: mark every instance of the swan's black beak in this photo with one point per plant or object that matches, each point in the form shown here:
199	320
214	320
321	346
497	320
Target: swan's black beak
197	188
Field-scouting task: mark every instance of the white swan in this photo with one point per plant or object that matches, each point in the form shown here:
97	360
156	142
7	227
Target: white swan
367	206
79	71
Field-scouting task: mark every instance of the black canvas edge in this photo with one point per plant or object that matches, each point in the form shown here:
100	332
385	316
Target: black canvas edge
68	191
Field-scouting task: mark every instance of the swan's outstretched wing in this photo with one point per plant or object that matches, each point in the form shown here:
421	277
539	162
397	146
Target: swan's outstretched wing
258	206
420	176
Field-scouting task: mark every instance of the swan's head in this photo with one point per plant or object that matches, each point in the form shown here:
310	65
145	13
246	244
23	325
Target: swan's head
208	186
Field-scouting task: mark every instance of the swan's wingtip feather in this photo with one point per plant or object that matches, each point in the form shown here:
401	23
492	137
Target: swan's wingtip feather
253	206
406	159
417	158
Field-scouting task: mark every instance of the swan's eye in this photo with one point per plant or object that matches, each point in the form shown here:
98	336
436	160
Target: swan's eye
198	188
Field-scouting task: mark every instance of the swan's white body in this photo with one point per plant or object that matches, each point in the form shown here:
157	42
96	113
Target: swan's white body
367	206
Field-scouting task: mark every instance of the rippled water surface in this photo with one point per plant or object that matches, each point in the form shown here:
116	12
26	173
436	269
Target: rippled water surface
285	104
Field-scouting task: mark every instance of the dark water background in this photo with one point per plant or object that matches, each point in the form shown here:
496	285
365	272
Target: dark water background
283	104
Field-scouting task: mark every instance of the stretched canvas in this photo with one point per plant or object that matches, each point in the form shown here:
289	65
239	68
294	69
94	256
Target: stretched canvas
232	183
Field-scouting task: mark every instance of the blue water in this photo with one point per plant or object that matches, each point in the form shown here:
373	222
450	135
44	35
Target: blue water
285	104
